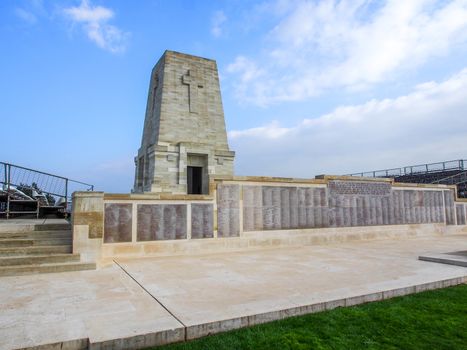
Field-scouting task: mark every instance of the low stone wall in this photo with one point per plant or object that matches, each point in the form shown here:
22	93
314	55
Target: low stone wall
108	225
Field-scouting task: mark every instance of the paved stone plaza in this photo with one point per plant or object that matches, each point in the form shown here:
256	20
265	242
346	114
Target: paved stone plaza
136	302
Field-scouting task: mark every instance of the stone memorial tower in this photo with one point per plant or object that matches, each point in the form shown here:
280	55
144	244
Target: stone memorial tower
184	139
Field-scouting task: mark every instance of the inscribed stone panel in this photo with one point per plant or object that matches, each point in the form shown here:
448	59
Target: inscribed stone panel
161	222
359	188
289	208
449	207
272	208
228	210
201	221
353	203
322	209
117	223
252	208
460	211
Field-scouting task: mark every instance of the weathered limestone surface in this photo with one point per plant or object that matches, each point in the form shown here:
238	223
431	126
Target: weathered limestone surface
117	225
228	210
184	126
161	222
88	209
202	221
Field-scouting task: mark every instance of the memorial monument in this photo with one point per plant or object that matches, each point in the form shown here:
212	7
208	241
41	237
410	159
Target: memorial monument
184	138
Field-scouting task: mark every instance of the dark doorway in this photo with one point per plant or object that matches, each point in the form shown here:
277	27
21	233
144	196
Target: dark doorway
195	180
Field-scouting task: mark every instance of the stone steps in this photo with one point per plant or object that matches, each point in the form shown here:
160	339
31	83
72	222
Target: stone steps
15	242
24	227
38	259
27	242
37	234
18	270
36	250
52	227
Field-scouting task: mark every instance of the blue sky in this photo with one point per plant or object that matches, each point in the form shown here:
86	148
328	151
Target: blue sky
309	87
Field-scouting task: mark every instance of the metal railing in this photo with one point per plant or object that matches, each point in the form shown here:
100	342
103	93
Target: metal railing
451	165
14	178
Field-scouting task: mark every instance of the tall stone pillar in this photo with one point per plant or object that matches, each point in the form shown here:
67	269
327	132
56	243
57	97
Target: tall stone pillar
184	138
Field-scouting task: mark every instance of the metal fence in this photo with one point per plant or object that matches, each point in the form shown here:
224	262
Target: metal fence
15	178
450	165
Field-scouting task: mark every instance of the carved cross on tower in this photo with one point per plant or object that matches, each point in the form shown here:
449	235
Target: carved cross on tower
154	92
194	85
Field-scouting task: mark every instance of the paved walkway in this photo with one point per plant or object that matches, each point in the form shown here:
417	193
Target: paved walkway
158	300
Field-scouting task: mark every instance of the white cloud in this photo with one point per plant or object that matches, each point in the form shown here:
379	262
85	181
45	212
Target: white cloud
94	20
352	44
218	19
429	124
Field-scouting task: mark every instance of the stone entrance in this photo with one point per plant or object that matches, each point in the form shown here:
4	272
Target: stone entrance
184	139
197	174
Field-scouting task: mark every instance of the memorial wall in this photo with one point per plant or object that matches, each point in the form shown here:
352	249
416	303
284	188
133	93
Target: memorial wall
242	205
339	204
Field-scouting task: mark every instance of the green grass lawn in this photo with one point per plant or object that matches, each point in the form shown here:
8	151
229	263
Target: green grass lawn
429	320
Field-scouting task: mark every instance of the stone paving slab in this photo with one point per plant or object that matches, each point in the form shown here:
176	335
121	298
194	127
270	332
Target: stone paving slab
166	299
234	288
67	309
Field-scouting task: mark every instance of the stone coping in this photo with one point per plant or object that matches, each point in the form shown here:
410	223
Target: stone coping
157	196
324	179
319	180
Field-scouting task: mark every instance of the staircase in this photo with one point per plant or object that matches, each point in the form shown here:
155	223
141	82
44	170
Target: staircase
32	249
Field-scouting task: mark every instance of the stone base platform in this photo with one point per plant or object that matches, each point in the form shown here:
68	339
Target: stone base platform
137	303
